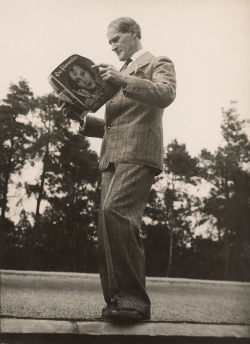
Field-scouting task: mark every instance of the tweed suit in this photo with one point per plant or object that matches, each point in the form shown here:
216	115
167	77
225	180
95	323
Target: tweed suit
132	127
131	155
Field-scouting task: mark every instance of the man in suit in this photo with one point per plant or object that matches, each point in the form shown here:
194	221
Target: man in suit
131	156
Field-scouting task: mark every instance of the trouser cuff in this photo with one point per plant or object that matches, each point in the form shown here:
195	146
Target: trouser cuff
145	310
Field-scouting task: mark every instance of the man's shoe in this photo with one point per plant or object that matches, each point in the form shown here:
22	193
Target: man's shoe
125	314
105	312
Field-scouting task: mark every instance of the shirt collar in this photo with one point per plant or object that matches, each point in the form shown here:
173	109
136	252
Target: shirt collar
137	54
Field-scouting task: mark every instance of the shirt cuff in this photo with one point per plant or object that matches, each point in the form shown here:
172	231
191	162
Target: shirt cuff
82	127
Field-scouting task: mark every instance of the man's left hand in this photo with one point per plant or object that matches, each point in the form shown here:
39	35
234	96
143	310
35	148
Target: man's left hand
68	111
111	74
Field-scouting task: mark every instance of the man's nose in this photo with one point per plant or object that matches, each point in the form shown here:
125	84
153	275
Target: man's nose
114	46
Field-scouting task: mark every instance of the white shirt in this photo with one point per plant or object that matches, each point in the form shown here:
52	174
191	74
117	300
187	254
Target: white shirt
137	54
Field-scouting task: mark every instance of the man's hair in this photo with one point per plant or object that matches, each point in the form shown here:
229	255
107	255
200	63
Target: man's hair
126	24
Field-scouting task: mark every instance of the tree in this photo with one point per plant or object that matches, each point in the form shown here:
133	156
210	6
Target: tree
16	243
35	133
179	166
75	194
50	128
50	125
68	182
16	136
229	200
170	205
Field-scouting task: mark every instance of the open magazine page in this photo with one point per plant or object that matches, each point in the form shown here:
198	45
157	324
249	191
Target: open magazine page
76	83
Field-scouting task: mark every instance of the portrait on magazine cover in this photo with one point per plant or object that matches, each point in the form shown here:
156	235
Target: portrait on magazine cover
76	75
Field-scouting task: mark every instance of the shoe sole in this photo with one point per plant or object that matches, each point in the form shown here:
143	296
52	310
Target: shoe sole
122	318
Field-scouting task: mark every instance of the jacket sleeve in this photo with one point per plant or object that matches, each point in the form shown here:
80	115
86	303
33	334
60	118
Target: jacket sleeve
94	127
160	91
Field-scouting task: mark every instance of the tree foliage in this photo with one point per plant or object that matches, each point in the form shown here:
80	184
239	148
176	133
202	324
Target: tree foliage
16	136
170	206
60	232
68	181
229	200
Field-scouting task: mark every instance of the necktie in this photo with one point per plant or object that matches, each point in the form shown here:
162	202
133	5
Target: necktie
126	64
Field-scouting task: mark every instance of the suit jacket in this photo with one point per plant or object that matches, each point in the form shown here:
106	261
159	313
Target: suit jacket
132	126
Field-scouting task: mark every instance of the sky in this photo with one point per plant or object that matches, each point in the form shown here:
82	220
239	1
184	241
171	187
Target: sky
208	41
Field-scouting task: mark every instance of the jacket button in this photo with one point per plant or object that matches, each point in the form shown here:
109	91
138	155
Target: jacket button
109	127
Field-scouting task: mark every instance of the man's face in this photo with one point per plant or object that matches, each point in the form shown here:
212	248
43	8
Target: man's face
82	78
122	44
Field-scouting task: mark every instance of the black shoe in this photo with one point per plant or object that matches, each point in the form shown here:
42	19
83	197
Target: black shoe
125	315
106	311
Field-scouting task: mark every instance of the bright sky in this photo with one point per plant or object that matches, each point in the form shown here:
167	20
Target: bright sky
208	41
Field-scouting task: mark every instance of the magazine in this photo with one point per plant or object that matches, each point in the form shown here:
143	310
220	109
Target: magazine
76	83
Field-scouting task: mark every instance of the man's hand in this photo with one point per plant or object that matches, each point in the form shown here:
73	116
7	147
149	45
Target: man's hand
68	111
111	74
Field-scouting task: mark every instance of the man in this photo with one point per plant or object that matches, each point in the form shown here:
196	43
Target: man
131	156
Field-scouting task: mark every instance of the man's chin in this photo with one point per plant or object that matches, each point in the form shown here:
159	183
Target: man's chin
121	57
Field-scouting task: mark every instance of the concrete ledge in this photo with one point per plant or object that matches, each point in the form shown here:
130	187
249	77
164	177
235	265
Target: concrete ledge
102	328
97	277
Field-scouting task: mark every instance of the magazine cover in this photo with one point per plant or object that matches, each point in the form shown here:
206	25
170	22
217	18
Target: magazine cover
76	83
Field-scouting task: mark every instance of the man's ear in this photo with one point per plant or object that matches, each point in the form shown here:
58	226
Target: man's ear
132	31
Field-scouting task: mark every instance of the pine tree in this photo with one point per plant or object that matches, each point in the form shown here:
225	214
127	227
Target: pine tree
229	201
16	136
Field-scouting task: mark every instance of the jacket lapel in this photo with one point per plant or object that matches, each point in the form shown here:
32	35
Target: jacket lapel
138	63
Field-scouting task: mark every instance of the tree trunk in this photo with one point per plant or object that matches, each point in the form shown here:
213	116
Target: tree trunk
170	251
171	228
73	224
219	227
41	188
85	257
5	191
227	248
74	247
37	214
7	175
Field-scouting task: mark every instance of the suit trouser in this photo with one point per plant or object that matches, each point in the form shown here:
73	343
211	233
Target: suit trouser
124	193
